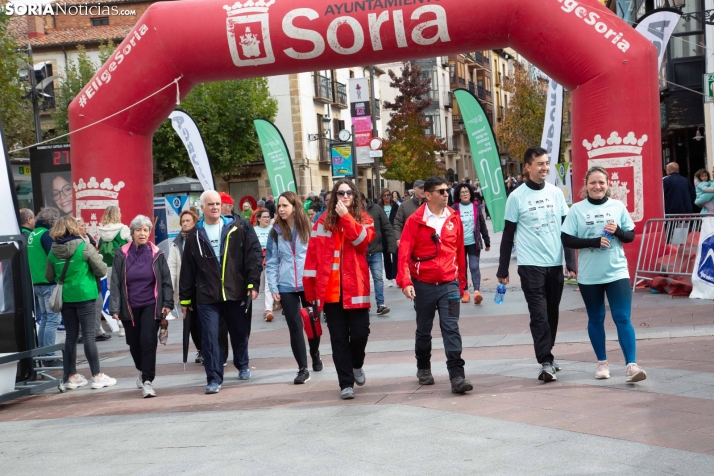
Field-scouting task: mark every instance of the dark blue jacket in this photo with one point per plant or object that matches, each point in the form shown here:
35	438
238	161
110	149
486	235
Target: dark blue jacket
679	194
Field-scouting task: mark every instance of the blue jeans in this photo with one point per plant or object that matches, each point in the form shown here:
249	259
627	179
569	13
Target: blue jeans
472	257
238	323
49	321
375	266
619	296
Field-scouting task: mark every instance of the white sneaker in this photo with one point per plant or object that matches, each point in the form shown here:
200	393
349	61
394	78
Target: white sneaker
390	284
122	332
139	383
360	379
103	380
75	381
603	370
634	373
148	390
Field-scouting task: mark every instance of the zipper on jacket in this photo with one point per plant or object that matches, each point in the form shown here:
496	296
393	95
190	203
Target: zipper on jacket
293	244
223	271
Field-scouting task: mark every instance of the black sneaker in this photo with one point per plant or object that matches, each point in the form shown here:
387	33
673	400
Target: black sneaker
425	377
382	310
547	373
199	357
556	366
302	376
460	385
102	337
316	363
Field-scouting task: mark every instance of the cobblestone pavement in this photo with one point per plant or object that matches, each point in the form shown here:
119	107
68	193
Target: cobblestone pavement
509	424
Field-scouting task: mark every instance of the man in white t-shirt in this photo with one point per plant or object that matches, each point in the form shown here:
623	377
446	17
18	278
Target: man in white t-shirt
537	210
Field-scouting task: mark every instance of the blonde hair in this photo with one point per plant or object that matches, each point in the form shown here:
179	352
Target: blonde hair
64	227
111	215
592	170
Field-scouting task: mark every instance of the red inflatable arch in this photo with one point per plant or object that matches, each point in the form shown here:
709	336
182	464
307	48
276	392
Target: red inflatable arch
609	67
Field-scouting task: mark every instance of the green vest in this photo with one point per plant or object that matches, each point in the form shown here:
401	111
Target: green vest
80	284
36	256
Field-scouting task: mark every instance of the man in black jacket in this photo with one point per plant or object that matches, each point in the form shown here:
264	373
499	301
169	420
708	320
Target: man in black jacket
219	268
679	194
384	230
407	208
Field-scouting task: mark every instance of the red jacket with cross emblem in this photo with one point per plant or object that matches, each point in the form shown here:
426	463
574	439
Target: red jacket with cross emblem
441	262
353	268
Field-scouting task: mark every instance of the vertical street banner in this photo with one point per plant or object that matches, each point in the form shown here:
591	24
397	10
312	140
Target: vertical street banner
564	180
553	127
9	224
360	110
484	152
276	157
658	26
186	128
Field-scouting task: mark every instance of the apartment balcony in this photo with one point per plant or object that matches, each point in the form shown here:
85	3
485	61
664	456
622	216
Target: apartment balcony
481	92
452	143
448	100
488	95
340	93
472	88
323	89
500	114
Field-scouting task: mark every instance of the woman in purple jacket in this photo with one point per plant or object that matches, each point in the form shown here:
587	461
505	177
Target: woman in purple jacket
471	212
141	295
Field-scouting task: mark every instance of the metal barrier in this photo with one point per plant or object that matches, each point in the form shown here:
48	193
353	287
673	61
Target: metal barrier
668	246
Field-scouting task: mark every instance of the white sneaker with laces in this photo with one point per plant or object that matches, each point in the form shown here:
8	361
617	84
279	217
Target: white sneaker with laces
603	370
75	381
634	373
148	390
103	380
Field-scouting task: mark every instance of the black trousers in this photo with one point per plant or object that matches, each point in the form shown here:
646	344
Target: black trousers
390	264
292	303
445	297
223	337
349	331
142	338
542	288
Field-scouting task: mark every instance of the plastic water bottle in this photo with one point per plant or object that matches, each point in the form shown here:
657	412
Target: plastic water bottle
500	294
608	235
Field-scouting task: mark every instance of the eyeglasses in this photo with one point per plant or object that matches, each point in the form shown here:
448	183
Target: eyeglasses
66	191
343	193
441	191
464	192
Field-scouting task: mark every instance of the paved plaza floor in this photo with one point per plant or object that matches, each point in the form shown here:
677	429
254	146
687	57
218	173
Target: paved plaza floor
510	424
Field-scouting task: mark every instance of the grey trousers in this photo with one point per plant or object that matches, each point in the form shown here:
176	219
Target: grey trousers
445	297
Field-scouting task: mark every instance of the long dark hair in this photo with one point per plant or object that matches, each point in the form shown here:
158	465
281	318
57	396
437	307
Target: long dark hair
457	192
302	223
355	209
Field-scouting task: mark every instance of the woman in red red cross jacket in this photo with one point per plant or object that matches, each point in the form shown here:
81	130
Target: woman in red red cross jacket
336	278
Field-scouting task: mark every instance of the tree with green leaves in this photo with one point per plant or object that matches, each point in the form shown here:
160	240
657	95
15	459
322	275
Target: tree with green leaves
409	152
15	109
224	113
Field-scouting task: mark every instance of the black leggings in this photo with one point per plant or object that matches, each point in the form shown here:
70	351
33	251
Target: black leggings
292	303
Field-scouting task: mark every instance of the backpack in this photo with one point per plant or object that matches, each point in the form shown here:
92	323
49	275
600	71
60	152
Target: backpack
107	248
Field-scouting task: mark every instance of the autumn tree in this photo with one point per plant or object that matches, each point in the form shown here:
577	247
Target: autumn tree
15	108
523	126
224	113
409	152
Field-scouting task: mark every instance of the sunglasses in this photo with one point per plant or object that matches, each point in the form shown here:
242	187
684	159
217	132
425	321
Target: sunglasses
343	193
441	191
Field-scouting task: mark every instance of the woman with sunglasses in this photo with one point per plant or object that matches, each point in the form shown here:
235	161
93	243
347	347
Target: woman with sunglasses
474	224
284	263
390	206
336	278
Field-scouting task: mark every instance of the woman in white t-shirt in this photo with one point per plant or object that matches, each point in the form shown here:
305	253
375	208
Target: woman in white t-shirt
262	229
598	226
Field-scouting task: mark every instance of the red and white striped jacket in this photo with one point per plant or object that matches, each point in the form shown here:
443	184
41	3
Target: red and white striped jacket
354	271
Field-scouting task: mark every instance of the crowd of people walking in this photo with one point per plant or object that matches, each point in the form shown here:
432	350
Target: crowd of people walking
313	259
